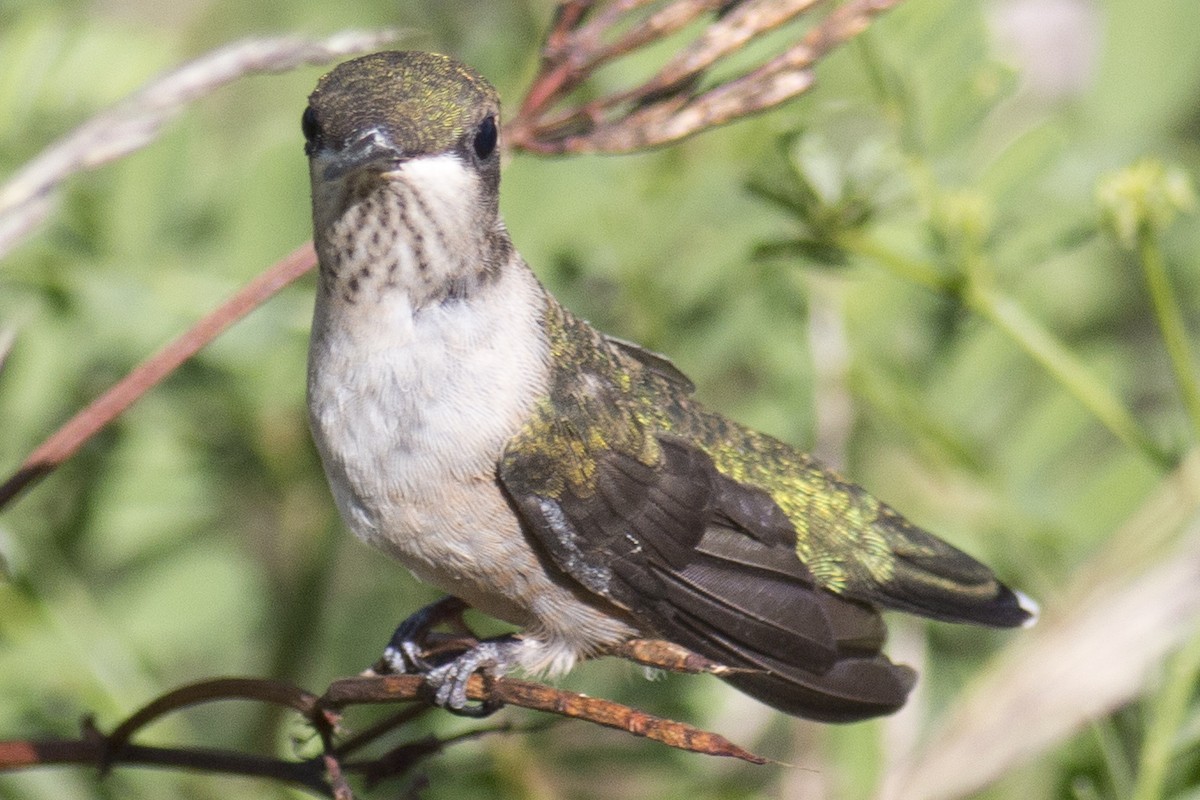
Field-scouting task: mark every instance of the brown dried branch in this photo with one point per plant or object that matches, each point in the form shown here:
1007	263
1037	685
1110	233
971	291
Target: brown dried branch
539	697
667	107
661	654
66	441
328	774
136	121
92	749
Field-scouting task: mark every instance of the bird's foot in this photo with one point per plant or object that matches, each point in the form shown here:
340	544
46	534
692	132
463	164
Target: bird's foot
448	682
414	647
447	660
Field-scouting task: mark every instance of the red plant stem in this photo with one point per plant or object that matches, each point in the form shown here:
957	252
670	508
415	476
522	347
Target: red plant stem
72	435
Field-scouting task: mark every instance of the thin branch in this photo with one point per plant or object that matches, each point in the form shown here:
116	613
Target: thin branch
385	726
665	655
401	760
271	692
662	23
66	441
663	109
729	34
539	697
93	749
136	122
328	775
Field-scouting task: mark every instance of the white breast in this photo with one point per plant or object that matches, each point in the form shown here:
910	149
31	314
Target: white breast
410	409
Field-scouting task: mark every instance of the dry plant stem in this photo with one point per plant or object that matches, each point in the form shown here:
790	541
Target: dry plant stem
555	69
275	693
652	120
96	749
384	726
137	121
93	749
327	775
64	442
400	760
574	54
727	35
662	23
509	691
660	654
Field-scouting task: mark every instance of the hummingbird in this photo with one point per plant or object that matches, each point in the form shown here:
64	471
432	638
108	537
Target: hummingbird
559	479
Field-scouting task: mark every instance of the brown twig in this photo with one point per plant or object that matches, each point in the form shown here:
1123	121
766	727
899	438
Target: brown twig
539	697
92	750
665	655
667	107
328	774
67	440
271	692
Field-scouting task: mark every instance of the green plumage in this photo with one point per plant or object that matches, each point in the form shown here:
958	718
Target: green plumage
724	540
608	396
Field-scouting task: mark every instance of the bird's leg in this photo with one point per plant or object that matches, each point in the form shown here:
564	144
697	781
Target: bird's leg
410	646
449	681
414	650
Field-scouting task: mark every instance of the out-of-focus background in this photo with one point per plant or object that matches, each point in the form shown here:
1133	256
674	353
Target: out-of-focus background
959	143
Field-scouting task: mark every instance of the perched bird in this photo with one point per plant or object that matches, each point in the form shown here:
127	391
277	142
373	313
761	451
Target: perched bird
554	477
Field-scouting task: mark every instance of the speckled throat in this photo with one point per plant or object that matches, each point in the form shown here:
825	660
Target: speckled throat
407	230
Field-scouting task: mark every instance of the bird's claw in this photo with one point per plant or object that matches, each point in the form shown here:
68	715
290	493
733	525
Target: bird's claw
447	662
449	681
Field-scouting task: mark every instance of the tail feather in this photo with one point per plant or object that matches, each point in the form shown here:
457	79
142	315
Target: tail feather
936	580
791	644
853	688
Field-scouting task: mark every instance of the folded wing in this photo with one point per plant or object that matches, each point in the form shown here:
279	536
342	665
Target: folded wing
672	542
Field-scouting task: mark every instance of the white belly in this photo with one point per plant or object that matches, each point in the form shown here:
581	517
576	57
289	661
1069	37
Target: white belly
410	412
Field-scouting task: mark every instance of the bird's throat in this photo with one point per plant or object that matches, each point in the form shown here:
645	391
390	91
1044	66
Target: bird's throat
423	230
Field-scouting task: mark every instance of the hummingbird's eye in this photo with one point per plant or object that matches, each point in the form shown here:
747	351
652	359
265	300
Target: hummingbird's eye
485	137
310	127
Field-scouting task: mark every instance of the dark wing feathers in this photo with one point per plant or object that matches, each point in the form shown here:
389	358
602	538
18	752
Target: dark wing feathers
771	573
701	561
752	615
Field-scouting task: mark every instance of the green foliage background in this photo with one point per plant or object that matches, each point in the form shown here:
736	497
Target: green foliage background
773	260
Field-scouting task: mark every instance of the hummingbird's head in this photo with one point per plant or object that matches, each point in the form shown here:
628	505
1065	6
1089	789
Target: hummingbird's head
405	171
